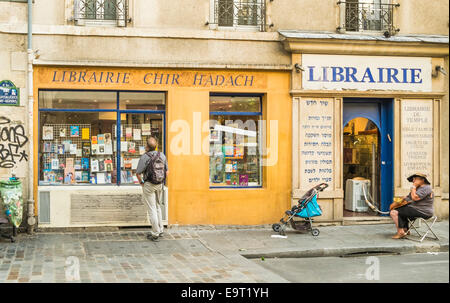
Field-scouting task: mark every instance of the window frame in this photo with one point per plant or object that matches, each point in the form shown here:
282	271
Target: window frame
81	18
236	27
259	136
118	112
382	3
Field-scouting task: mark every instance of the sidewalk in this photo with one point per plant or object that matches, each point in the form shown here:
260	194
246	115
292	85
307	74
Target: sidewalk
188	254
332	241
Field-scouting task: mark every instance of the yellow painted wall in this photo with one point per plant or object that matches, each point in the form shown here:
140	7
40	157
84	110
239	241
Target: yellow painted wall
191	201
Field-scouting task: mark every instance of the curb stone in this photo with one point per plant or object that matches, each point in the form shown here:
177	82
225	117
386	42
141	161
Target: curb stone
339	252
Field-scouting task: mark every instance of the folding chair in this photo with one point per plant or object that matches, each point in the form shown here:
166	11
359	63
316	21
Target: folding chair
428	223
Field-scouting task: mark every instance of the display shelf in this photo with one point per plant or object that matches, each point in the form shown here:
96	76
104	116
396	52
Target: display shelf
62	153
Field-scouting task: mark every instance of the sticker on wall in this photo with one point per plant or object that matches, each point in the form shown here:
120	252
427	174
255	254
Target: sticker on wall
9	93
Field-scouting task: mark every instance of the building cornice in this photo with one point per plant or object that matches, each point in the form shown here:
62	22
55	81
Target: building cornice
372	48
364	44
132	32
172	65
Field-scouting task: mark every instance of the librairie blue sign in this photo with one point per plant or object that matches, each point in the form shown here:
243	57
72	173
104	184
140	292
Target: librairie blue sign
9	93
345	72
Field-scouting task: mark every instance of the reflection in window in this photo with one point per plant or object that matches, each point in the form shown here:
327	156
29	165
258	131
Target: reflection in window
77	100
141	101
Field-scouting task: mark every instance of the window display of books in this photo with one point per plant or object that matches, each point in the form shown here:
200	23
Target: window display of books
70	156
102	166
233	165
133	138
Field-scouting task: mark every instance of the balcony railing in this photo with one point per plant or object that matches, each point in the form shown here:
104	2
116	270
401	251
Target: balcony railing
240	13
113	10
369	16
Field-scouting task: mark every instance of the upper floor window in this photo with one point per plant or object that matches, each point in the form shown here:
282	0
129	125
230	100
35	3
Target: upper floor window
367	15
101	12
239	14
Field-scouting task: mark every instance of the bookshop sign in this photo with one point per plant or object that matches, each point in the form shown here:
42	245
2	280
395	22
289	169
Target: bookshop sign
362	73
152	78
9	93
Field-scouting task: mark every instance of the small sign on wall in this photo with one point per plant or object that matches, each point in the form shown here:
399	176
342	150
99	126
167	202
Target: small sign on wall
316	142
417	139
9	93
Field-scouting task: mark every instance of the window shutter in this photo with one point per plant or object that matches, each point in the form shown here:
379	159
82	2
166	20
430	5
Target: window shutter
120	12
77	13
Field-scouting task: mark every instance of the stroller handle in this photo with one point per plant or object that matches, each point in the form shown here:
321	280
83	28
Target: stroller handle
321	186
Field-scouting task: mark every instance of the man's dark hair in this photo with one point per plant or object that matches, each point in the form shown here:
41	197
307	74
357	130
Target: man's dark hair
152	143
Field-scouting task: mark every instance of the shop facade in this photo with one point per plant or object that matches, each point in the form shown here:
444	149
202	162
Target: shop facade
226	134
366	110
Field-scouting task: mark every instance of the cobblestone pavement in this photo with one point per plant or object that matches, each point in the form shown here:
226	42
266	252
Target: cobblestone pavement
122	257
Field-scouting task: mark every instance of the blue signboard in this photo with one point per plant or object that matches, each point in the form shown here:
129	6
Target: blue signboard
9	93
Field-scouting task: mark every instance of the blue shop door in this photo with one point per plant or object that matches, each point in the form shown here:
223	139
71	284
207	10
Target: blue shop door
380	112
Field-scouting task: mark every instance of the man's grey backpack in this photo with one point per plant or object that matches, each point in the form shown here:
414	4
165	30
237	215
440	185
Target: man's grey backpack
155	171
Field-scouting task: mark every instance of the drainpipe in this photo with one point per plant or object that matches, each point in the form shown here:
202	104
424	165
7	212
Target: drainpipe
31	219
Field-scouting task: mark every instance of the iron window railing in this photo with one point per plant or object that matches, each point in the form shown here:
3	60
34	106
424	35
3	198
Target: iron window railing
369	16
240	13
115	10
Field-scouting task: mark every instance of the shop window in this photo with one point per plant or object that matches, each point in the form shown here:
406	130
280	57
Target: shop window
235	156
238	13
81	143
141	101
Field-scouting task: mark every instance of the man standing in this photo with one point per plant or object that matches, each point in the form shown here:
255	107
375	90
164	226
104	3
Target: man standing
153	166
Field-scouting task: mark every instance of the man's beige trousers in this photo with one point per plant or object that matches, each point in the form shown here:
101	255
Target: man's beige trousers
152	195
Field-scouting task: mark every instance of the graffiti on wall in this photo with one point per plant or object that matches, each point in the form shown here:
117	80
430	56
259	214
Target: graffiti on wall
12	143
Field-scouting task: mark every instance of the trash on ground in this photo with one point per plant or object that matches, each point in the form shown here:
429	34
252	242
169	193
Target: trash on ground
279	236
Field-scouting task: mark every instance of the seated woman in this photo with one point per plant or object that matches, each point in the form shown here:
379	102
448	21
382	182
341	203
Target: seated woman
420	204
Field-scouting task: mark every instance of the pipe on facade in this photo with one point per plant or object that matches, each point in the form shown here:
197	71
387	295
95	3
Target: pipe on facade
31	218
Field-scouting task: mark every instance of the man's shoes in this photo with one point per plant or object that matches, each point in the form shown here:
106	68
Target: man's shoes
399	236
153	238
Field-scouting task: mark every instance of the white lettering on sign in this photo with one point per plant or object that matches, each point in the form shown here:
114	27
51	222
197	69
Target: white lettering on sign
417	139
316	142
329	72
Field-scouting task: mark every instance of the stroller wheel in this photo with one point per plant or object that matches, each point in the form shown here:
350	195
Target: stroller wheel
315	232
276	227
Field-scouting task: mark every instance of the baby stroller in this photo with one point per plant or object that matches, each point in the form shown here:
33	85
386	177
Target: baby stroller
306	208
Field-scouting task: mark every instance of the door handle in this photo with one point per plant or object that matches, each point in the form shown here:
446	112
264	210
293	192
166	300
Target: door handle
389	138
